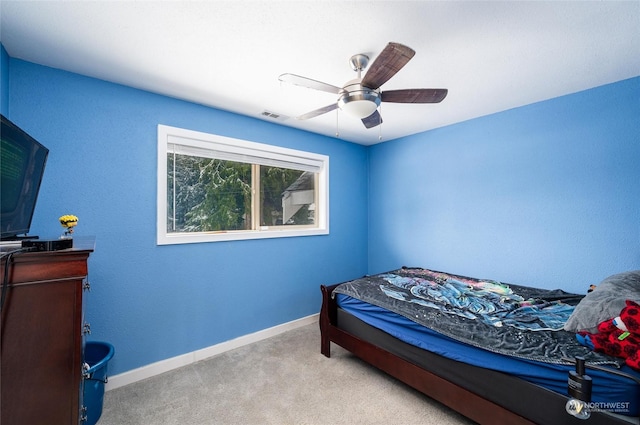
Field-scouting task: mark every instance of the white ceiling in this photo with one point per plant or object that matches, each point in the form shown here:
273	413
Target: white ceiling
492	56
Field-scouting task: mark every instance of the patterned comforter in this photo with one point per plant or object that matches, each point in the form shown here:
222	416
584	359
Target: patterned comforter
508	319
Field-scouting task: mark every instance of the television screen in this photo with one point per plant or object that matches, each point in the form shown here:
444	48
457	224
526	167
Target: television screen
22	163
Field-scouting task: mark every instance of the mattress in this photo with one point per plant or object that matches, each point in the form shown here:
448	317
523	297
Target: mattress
614	392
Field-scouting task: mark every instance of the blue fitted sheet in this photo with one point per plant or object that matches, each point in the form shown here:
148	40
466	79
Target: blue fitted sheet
612	392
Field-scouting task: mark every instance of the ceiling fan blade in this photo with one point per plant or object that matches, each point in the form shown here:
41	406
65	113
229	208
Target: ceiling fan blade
372	120
414	95
387	64
318	111
309	83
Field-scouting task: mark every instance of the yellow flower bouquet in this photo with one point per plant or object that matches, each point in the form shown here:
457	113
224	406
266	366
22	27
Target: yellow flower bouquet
68	222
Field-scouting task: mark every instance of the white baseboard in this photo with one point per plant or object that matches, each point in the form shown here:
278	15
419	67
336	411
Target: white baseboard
163	366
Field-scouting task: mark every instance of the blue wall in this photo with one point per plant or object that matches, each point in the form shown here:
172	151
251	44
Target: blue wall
545	195
155	302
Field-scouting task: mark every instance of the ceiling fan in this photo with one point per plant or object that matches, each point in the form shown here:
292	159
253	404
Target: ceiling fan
362	96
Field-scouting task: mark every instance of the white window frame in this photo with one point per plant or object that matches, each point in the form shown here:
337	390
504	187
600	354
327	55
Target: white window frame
252	152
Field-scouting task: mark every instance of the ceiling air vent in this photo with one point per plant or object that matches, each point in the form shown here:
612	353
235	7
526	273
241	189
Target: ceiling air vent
274	116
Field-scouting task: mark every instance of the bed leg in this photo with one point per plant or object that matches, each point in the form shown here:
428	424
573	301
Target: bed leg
325	345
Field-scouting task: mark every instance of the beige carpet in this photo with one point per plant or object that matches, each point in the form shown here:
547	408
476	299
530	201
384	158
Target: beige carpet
282	380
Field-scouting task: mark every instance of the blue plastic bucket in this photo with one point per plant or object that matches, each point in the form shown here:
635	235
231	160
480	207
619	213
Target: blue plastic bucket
96	356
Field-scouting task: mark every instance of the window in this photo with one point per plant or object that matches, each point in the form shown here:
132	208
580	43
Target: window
215	188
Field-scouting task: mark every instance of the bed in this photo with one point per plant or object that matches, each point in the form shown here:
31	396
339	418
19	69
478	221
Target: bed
496	353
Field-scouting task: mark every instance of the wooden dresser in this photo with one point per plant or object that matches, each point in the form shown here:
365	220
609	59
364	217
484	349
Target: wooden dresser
42	334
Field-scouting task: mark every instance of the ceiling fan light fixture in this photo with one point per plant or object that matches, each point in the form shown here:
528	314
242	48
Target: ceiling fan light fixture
359	104
361	96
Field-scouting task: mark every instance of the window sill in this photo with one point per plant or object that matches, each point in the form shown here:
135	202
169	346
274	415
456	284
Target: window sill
184	238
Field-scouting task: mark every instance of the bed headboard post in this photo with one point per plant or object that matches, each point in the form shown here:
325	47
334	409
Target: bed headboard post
328	317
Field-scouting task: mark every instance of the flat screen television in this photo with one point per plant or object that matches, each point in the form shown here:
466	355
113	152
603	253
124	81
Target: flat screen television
22	163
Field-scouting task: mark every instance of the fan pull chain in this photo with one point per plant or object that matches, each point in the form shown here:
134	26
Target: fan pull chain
337	124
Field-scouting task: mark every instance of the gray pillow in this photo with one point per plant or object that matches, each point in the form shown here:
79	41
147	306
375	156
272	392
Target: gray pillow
604	302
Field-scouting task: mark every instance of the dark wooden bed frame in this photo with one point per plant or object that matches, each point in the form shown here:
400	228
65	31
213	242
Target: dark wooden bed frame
464	401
